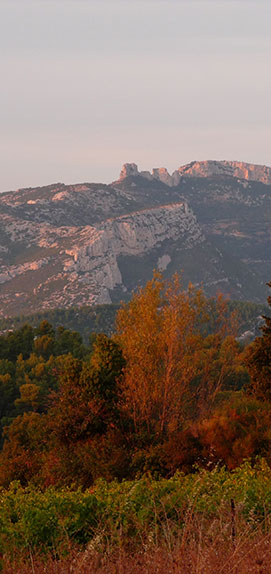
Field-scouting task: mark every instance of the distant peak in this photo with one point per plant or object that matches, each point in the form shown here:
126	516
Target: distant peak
208	168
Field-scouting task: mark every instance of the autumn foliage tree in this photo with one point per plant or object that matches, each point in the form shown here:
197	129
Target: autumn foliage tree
21	458
238	429
174	365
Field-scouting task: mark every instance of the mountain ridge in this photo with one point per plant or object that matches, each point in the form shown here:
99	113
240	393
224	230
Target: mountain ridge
65	245
206	168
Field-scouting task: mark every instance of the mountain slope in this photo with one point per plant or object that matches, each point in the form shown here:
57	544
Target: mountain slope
82	244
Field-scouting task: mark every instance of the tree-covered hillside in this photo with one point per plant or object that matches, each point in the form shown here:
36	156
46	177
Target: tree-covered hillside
85	320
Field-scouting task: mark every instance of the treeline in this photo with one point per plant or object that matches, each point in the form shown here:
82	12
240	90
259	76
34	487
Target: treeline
171	389
101	318
85	320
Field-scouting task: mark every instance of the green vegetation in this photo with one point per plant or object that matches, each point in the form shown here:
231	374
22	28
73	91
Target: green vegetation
84	320
143	511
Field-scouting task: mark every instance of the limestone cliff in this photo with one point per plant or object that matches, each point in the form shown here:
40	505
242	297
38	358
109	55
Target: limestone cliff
80	264
96	261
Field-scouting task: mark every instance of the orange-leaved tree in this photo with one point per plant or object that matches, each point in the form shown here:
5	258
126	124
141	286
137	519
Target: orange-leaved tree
177	355
238	429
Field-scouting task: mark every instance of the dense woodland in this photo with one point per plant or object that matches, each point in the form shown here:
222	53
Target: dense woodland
172	389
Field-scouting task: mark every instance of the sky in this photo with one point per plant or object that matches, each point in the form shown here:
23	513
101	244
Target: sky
89	85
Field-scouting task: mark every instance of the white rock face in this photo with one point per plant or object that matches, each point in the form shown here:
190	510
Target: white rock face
134	234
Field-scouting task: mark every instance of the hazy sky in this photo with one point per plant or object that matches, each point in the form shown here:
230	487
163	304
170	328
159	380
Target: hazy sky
88	85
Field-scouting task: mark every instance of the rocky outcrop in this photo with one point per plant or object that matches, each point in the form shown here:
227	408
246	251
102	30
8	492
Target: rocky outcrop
128	169
157	174
210	168
234	169
162	175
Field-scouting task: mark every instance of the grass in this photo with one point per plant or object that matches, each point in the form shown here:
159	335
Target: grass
199	549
